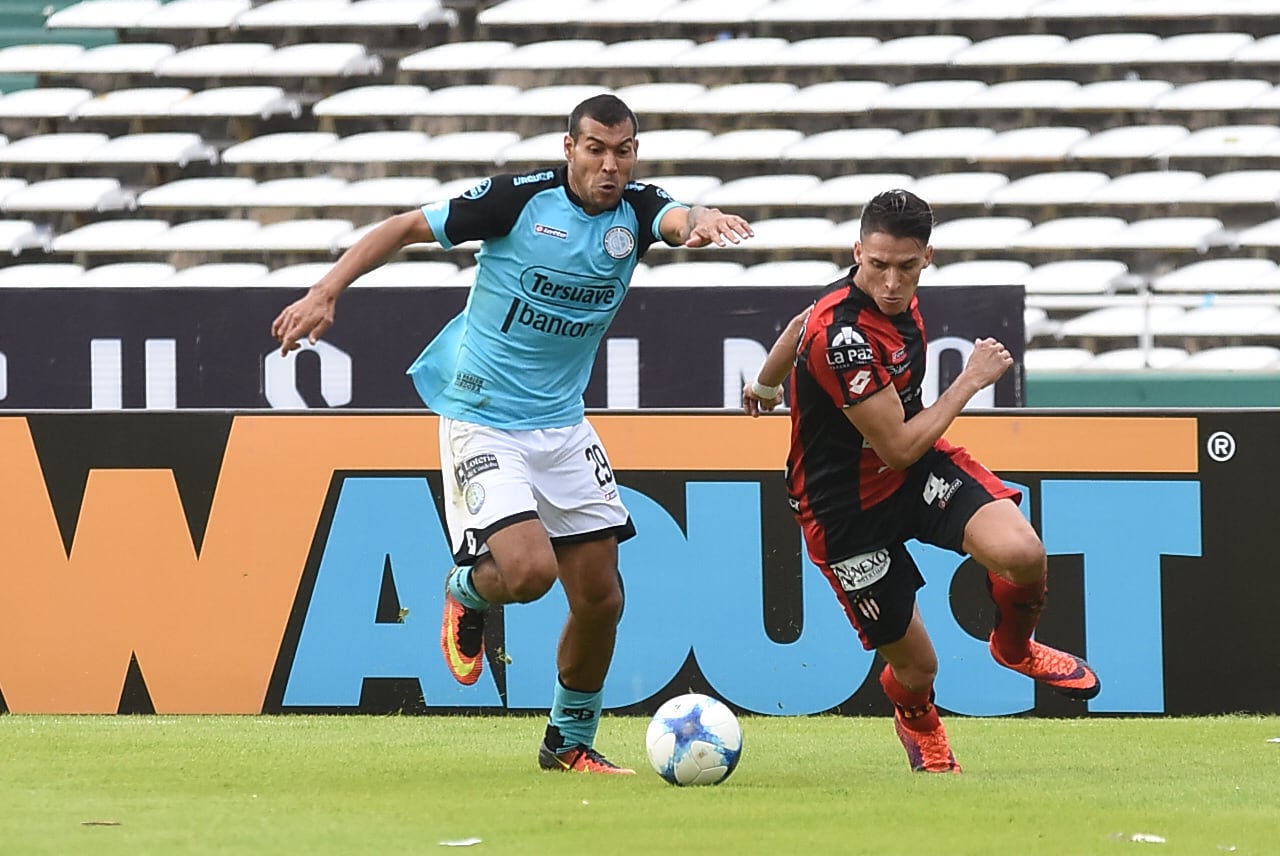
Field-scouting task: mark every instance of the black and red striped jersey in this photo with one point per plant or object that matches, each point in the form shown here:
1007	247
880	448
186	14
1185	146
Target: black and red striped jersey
848	351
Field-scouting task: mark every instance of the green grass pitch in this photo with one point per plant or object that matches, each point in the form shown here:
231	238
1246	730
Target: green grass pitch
320	785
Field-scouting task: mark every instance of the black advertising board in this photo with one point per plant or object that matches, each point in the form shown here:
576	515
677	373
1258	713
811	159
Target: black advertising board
210	348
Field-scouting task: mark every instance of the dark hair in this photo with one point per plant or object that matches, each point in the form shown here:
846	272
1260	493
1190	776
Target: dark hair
899	213
608	110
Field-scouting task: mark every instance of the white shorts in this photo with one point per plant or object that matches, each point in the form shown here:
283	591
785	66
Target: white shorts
560	476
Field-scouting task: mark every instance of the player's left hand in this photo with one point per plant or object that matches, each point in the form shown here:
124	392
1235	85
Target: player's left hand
716	227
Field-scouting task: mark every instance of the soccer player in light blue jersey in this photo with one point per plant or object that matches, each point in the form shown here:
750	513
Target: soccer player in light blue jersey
532	497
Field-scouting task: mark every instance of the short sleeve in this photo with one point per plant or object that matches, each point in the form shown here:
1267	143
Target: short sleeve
844	362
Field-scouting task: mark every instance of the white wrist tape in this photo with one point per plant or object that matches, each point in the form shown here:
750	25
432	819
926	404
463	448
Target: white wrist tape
768	393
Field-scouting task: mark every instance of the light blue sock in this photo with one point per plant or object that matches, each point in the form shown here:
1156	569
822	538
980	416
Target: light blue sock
576	714
463	588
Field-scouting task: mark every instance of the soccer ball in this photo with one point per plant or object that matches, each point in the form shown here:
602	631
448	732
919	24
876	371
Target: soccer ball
694	740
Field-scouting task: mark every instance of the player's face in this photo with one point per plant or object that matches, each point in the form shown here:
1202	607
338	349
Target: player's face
601	161
889	269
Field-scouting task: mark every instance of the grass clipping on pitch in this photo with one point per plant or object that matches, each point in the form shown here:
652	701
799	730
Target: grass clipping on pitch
352	784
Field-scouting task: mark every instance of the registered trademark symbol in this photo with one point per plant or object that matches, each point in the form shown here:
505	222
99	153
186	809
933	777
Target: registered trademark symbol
1221	446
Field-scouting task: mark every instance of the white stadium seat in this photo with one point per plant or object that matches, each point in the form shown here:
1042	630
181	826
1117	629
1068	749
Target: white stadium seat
1060	187
218	235
417	274
65	148
1034	94
126	274
1137	359
1233	359
1071	233
102	14
312	192
46	102
930	95
1037	360
223	59
41	275
393	192
692	273
320	59
1235	187
71	194
122	58
19	235
752	144
466	100
1224	141
309	235
1219	94
959	143
111	236
38	58
979	233
1129	141
475	147
217	274
1221	275
213	192
735	53
740	98
837	97
760	190
1237	320
959	188
791	272
854	189
458	56
1120	322
650	98
379	100
195	15
690	189
283	147
1048	143
639	53
1116	95
845	144
1158	187
167	147
131	103
982	272
302	275
376	147
239	101
1077	276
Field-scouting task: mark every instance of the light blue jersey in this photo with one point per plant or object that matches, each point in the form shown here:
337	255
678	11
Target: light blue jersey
549	281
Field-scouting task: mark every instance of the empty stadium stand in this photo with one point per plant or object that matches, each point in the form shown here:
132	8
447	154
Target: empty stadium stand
1118	158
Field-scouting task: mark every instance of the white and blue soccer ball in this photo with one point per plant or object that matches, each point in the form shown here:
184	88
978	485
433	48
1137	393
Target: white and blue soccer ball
694	739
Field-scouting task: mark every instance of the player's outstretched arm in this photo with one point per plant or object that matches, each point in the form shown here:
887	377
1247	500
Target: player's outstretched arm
699	226
765	392
312	315
899	441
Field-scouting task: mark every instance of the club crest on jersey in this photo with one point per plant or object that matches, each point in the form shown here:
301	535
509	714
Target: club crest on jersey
619	242
847	347
479	190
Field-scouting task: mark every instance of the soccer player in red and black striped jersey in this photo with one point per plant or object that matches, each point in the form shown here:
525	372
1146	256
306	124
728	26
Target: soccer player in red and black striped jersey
869	470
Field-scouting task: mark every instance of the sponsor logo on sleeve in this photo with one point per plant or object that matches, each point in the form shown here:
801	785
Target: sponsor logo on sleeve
846	347
479	190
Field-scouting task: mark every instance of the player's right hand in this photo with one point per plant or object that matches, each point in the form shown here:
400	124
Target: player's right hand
753	404
310	316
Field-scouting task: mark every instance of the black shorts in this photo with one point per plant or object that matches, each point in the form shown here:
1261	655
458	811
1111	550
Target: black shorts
863	553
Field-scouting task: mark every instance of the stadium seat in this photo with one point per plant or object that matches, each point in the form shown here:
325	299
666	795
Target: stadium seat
1234	321
913	51
224	59
376	147
457	56
122	58
799	273
843	144
301	275
40	275
1129	141
1077	276
217	274
1128	321
380	100
837	97
102	14
196	193
307	235
1034	94
1265	234
471	147
538	149
466	100
637	53
1187	48
1059	187
1235	94
1056	359
752	144
1116	95
417	274
722	12
321	59
1235	187
617	12
690	189
854	190
1006	51
527	12
283	147
126	274
1137	359
263	102
1098	50
546	54
394	192
46	102
175	148
131	103
213	235
70	195
758	190
111	236
1085	232
193	15
548	101
1162	187
1233	359
979	233
647	99
930	95
65	148
786	233
1022	145
19	235
1186	234
736	99
982	272
317	191
959	188
934	144
821	51
10	185
692	273
1226	141
1221	275
671	144
734	52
